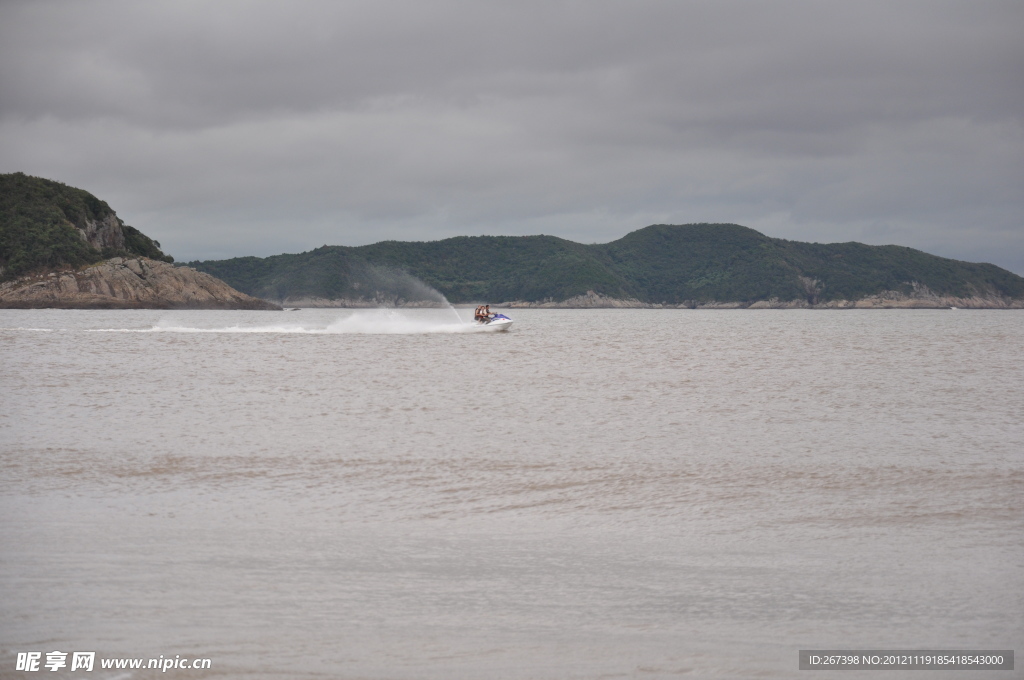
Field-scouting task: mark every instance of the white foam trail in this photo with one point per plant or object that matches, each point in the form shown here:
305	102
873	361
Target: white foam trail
362	322
391	321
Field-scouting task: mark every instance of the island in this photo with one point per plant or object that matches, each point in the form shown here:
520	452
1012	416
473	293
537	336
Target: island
696	266
62	247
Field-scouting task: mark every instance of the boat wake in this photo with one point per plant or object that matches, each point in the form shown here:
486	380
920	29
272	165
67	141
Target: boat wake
361	322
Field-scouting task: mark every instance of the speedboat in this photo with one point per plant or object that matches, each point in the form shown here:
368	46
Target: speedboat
497	322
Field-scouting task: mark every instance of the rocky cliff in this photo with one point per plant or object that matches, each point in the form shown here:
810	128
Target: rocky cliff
126	283
104	233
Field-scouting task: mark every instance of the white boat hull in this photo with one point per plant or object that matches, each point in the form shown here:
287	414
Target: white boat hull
494	325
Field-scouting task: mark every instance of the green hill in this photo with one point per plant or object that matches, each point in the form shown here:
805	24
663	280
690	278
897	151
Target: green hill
660	264
47	225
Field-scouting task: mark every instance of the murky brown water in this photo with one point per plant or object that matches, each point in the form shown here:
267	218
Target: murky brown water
606	493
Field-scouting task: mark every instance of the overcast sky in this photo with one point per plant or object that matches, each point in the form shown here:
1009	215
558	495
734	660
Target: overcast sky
254	128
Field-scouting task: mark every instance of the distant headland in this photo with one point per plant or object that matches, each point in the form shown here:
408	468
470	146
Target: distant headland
697	266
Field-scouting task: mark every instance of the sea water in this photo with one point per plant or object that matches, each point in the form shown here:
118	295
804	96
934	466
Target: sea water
594	494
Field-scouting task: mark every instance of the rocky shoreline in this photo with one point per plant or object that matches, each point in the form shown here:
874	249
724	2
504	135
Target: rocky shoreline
126	283
142	283
313	302
921	298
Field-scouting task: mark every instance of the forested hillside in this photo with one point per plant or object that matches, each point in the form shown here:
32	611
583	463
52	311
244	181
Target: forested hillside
660	264
45	225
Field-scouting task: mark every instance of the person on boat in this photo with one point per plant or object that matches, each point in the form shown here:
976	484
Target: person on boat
487	313
478	315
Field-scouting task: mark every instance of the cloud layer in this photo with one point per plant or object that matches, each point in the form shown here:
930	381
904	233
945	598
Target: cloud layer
236	128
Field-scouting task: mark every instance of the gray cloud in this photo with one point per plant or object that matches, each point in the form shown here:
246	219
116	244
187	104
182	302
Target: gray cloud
254	128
